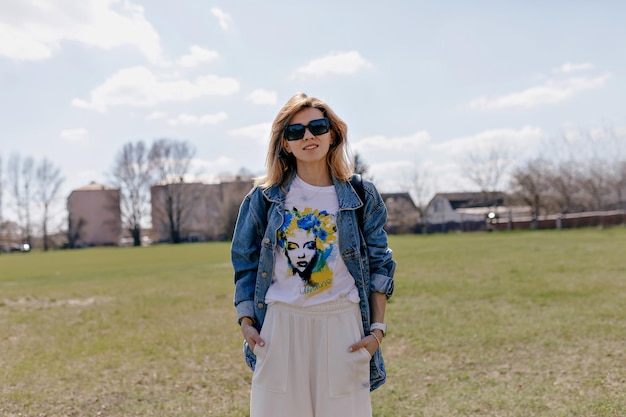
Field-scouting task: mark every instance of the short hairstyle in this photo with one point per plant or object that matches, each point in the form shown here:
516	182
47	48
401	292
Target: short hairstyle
281	165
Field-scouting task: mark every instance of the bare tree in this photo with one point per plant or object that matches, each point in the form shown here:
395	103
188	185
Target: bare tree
588	174
48	181
620	184
75	230
132	174
360	167
617	167
20	177
529	183
486	169
564	181
420	186
171	161
595	184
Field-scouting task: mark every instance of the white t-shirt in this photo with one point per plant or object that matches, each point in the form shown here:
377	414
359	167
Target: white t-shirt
308	267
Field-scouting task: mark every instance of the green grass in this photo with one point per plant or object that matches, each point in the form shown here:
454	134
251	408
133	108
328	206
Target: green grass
499	324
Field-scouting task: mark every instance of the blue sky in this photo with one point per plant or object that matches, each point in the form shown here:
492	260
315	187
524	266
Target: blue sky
419	83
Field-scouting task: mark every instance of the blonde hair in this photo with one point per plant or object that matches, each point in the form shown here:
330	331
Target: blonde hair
281	165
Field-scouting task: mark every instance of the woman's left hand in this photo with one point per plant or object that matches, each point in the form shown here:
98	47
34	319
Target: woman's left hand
369	342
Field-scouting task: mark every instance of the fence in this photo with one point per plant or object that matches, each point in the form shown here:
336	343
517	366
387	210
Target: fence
565	221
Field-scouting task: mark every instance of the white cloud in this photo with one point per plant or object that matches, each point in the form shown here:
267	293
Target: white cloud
191	120
156	115
386	174
526	138
439	162
260	132
435	176
219	164
335	63
140	87
569	67
551	92
222	17
75	136
197	56
261	96
403	143
38	28
17	44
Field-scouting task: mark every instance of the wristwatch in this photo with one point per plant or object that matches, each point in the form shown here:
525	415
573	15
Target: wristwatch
380	326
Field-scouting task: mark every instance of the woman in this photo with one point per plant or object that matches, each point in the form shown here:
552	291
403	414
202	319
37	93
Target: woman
313	272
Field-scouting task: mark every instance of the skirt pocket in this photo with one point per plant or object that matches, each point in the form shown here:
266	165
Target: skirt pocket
348	372
272	364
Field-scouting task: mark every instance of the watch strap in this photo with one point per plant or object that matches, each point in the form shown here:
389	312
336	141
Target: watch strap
380	326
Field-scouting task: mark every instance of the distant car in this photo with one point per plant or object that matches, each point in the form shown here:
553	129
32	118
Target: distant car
24	247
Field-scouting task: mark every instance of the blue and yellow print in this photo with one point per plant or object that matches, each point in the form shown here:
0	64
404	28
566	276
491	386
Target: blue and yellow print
307	238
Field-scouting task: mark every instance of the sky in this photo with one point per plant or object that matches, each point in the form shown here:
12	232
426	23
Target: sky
421	84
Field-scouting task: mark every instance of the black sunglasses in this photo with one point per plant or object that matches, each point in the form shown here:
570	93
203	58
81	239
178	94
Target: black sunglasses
316	127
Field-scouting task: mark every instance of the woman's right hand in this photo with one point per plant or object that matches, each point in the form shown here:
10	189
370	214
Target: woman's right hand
251	334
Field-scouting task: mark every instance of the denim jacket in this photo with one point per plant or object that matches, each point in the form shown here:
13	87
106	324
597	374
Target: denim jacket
370	263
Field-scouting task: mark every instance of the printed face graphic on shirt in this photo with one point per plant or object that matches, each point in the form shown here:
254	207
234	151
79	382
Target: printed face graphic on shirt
307	239
301	251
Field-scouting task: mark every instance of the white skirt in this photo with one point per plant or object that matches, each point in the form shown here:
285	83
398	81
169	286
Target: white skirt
305	369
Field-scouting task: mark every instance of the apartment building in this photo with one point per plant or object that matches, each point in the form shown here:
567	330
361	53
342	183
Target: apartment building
94	216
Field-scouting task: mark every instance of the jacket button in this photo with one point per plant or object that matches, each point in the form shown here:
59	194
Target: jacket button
266	240
264	274
260	305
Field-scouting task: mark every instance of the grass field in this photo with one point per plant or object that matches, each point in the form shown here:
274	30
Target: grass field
501	324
